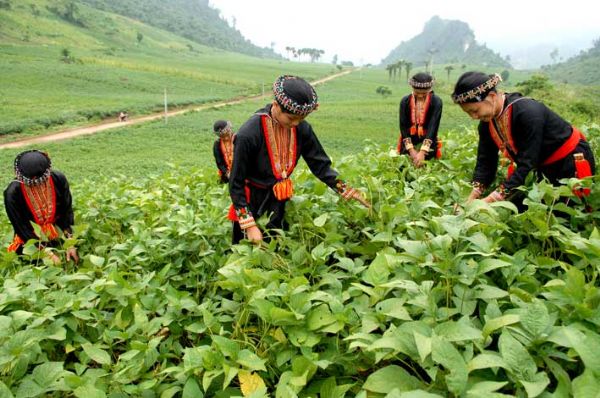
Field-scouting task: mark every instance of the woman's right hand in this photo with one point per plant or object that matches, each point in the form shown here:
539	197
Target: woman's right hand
253	234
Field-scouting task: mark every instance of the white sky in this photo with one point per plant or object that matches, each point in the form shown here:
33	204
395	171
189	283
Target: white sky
365	31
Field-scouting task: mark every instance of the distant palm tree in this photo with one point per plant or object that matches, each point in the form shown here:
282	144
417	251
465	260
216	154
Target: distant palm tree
389	68
407	68
399	67
449	69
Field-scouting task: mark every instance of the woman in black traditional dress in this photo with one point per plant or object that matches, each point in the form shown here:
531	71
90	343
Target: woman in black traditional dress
420	114
266	151
40	195
526	132
223	148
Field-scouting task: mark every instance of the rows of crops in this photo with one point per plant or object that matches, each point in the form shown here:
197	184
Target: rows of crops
410	299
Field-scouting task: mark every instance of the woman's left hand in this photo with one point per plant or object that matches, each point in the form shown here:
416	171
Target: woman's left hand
71	254
419	160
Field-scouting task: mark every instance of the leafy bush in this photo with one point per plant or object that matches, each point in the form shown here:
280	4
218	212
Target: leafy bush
384	91
535	83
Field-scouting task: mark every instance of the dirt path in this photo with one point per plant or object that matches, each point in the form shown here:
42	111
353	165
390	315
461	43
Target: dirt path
76	132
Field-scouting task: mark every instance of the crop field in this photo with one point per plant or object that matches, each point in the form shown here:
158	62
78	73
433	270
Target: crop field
410	299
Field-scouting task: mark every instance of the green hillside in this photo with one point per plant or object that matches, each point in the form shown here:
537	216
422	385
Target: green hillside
63	70
445	41
192	19
583	68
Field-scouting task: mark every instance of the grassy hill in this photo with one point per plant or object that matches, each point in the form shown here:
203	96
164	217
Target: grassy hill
192	19
581	69
445	41
57	71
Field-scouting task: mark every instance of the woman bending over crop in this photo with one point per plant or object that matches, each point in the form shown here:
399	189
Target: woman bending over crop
266	151
526	132
40	195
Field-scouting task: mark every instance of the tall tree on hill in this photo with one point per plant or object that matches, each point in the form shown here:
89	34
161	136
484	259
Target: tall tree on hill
432	51
407	68
389	68
399	65
449	69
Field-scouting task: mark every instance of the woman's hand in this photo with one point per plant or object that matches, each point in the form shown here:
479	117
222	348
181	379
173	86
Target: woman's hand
71	254
253	234
419	159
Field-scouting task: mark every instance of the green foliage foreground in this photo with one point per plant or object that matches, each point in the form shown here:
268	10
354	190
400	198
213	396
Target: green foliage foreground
408	300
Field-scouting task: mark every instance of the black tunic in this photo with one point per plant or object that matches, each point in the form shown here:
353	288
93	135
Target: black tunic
431	124
21	217
537	133
220	160
251	160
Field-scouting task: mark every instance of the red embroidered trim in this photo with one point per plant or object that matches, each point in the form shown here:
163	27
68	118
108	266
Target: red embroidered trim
418	120
280	170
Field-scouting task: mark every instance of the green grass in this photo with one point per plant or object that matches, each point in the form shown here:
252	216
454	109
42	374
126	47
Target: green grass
112	72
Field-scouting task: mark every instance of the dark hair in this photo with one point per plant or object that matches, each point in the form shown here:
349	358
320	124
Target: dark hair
219	125
422	77
474	87
295	95
32	167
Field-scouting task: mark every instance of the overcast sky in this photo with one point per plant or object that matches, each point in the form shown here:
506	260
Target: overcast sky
366	31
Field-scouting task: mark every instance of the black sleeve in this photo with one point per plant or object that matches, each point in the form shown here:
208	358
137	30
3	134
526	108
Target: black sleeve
434	118
487	157
17	212
64	206
528	127
242	150
317	160
221	165
404	117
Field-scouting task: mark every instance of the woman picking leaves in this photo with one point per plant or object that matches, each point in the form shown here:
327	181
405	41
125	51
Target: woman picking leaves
266	152
526	132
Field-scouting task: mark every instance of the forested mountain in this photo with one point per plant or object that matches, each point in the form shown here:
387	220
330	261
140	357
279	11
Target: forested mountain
193	19
445	41
583	68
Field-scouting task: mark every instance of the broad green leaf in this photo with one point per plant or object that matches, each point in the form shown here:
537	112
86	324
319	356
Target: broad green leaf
536	386
96	354
423	345
485	387
535	318
319	317
497	323
518	360
394	308
587	385
228	347
250	360
192	389
457	331
46	374
5	391
444	353
391	377
321	220
89	391
485	361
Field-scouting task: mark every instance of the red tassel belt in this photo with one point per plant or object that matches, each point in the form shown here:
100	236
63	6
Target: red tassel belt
566	148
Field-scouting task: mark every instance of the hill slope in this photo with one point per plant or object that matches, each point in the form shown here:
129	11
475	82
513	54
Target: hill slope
63	67
582	69
446	41
192	19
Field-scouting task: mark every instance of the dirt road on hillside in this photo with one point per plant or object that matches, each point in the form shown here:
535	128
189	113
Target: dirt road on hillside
63	135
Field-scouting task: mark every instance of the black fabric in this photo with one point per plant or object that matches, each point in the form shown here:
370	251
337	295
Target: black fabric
299	90
468	81
422	77
432	124
21	217
220	160
262	201
251	158
33	164
537	133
